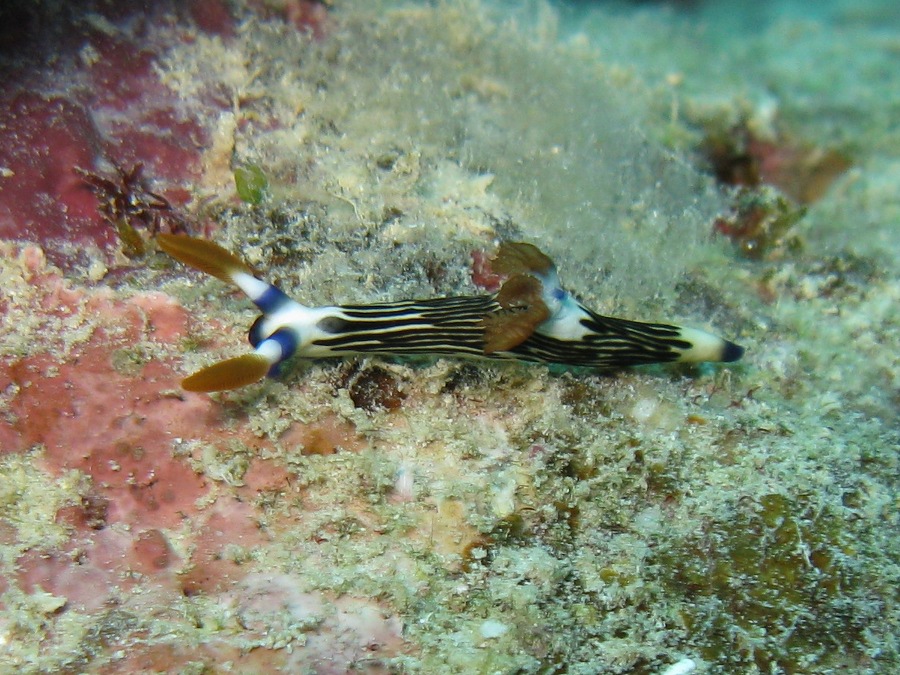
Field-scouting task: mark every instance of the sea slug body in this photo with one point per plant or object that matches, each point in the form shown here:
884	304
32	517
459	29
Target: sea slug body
531	318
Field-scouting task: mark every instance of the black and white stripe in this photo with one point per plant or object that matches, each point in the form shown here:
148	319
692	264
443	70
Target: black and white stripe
607	343
440	326
454	326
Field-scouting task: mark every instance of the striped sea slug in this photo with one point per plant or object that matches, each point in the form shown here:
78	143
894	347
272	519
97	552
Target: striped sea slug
531	318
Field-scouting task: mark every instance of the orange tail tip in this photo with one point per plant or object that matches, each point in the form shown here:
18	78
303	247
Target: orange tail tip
230	374
203	255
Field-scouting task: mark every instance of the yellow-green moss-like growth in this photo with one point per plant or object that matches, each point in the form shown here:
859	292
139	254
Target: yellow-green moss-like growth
770	587
251	183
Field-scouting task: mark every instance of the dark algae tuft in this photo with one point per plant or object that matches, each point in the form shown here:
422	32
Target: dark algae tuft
761	224
769	587
130	206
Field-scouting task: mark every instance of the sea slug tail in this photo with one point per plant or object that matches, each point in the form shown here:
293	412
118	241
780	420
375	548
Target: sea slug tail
204	255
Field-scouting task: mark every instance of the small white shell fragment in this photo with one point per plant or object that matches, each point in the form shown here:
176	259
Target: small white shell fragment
682	667
643	409
492	628
504	498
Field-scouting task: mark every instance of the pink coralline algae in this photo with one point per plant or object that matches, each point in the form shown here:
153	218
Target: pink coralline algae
79	412
87	417
91	411
482	274
349	630
147	528
113	111
43	139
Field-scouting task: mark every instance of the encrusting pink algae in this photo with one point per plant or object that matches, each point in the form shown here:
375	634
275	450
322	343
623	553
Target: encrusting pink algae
439	515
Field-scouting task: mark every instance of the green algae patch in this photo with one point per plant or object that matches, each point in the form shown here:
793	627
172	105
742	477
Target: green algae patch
251	183
759	589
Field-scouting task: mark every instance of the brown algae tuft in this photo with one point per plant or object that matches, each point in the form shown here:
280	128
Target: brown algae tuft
769	587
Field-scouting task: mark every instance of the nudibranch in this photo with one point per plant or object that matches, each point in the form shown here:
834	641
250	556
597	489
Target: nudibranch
531	318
